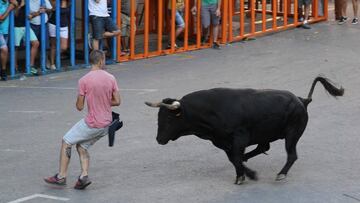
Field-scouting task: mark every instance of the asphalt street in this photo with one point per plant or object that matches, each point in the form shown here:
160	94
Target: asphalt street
37	112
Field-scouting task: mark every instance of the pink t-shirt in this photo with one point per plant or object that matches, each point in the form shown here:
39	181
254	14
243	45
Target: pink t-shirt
98	86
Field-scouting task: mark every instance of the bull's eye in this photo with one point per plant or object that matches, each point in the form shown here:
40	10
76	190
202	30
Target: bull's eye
178	114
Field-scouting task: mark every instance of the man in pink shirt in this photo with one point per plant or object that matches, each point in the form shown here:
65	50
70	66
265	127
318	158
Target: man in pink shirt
100	90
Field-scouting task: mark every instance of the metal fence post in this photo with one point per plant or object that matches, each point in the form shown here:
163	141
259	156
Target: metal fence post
27	36
72	32
58	51
86	31
12	44
43	39
114	39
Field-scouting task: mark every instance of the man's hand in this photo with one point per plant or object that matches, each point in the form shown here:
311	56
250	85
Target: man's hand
42	10
218	13
97	1
2	18
80	102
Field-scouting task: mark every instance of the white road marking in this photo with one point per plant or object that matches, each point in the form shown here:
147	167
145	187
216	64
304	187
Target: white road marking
39	195
49	112
12	150
73	88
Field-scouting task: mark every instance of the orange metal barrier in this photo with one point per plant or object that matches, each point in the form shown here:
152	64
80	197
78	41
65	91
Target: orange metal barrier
239	19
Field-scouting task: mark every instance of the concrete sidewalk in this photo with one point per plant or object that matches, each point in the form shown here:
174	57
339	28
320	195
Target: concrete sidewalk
37	112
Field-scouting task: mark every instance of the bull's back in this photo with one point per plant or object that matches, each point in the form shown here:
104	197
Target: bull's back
258	111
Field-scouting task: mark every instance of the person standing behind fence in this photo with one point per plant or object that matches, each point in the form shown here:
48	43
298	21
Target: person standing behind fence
100	90
126	24
64	30
20	33
210	12
304	13
5	8
179	21
36	9
102	24
343	8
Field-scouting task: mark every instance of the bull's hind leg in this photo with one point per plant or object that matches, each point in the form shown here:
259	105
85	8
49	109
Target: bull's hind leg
291	138
261	148
236	156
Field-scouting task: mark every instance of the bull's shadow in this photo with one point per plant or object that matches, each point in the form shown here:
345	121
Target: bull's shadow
233	119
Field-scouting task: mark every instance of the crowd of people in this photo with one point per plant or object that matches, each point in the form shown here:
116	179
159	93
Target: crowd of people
103	27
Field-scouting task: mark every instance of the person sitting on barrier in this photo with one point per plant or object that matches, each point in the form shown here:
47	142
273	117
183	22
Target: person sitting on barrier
179	21
304	16
210	11
5	8
64	30
20	33
126	25
100	90
102	24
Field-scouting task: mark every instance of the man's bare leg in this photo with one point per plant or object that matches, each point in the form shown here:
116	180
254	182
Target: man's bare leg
65	155
84	160
216	33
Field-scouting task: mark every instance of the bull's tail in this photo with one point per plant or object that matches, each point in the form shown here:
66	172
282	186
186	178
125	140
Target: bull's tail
328	85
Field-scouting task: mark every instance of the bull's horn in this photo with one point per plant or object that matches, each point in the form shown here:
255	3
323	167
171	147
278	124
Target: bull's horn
175	105
158	104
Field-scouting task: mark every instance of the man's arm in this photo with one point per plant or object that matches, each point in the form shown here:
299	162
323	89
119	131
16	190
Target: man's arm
218	13
80	102
12	5
115	100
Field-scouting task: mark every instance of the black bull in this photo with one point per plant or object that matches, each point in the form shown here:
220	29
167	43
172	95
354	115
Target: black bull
233	119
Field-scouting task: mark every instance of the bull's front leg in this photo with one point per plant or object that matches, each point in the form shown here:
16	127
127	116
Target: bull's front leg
236	156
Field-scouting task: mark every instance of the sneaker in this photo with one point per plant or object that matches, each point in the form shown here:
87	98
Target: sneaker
33	70
55	180
82	183
52	67
216	46
3	75
22	77
169	46
204	40
355	21
306	26
342	20
90	41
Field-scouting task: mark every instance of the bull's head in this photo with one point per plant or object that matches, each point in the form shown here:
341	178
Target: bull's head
171	122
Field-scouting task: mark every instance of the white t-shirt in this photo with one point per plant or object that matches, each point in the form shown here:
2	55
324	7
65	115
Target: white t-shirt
98	9
34	7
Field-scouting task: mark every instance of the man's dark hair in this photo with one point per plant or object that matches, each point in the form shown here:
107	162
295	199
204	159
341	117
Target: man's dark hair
96	56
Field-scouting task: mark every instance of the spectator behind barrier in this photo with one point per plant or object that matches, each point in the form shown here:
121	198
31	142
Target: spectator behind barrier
102	24
210	12
304	16
179	20
64	30
126	25
36	9
5	8
342	9
20	33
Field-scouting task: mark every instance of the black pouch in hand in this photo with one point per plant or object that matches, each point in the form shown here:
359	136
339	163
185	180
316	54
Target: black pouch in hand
115	125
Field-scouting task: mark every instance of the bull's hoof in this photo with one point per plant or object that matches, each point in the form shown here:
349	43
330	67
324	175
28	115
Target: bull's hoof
252	175
239	180
280	177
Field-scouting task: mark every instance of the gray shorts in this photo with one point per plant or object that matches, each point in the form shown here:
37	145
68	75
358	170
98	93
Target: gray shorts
84	135
303	2
208	13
